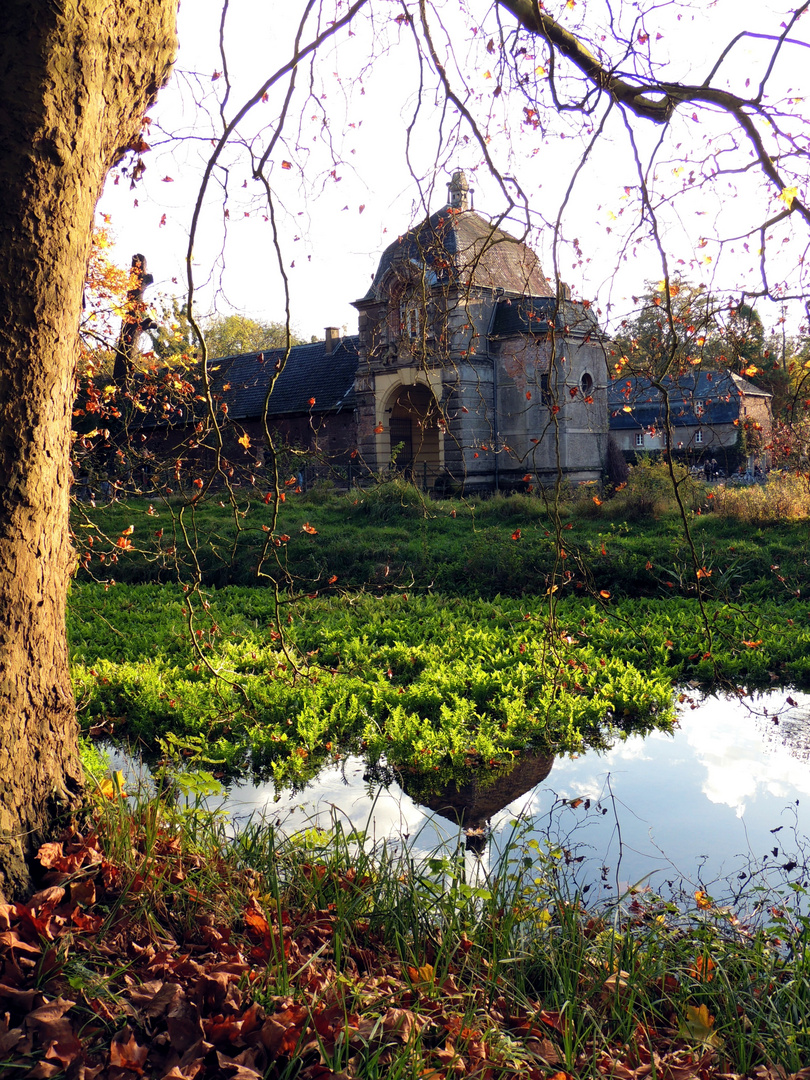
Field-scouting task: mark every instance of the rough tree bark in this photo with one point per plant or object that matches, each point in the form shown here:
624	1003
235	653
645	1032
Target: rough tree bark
75	79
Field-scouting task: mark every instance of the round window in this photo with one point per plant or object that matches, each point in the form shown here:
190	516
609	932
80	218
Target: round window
586	383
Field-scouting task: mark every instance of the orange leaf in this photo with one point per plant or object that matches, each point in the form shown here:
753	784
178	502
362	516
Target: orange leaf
703	970
703	900
126	1054
516	534
378	430
307	528
604	594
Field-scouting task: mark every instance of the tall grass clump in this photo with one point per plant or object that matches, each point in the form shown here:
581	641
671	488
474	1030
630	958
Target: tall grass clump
392	499
785	496
649	491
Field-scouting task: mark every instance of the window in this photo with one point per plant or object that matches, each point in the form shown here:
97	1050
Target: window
698	408
639	438
411	317
545	391
699	437
586	383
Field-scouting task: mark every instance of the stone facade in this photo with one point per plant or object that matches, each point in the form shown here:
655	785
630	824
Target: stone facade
472	372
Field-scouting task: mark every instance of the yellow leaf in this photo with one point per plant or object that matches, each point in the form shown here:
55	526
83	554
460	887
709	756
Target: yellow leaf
112	786
787	195
424	974
244	441
697	1026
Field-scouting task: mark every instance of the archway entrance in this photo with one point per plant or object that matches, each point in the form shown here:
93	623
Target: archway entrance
414	429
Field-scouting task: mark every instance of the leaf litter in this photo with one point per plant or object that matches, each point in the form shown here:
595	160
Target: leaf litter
99	982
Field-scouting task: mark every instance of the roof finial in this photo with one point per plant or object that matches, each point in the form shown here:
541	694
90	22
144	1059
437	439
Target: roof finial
458	191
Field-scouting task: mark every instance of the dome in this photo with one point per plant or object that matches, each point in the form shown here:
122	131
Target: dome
457	246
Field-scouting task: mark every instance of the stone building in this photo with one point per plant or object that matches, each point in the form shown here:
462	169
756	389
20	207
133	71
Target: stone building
708	413
469	372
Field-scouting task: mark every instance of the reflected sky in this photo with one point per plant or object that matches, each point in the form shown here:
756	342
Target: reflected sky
726	791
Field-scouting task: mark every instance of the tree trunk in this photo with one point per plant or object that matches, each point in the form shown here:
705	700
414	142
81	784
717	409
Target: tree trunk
75	79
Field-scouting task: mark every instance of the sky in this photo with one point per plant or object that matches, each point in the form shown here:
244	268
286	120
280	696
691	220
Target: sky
343	173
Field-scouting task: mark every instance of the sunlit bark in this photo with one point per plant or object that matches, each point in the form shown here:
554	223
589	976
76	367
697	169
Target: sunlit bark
75	78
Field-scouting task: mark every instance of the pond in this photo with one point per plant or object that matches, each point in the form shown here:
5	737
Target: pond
722	798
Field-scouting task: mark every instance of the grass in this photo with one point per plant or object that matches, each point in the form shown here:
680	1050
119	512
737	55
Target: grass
324	951
435	685
451	626
393	537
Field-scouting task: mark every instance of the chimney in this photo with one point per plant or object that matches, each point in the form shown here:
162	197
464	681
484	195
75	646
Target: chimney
332	336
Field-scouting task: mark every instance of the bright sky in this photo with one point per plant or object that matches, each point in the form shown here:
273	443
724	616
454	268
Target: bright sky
361	121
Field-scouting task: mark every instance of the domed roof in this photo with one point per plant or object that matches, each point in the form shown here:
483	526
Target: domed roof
457	246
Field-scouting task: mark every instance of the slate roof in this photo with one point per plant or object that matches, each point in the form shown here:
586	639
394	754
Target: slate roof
720	394
461	247
539	314
310	372
241	382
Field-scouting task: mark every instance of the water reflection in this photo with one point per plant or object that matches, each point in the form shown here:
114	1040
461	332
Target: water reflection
723	796
471	806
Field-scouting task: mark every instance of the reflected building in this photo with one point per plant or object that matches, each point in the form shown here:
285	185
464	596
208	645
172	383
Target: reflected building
471	804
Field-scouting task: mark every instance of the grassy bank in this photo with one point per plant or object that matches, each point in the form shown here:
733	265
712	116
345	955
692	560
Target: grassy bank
162	948
435	685
393	537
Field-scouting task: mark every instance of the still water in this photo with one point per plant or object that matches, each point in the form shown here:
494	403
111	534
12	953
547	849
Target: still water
726	795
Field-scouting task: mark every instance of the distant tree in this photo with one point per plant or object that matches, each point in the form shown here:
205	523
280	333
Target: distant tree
225	335
682	327
230	335
173	339
676	328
